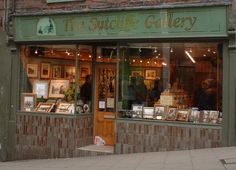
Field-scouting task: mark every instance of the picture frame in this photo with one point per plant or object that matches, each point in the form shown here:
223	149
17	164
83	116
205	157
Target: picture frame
32	70
214	116
159	111
183	114
137	110
28	102
45	70
205	116
171	113
58	87
148	112
69	72
44	107
63	108
194	116
56	71
40	88
150	74
136	73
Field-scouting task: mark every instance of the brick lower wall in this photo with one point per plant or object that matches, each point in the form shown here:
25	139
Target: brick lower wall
52	136
135	137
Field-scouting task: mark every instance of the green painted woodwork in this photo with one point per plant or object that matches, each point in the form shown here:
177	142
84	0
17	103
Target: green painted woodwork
143	24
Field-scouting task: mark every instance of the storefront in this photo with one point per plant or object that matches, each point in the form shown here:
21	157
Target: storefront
153	80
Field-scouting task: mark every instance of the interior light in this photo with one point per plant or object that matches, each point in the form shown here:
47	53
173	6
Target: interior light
214	52
204	55
90	56
171	50
155	51
190	57
190	50
133	60
209	50
36	51
155	62
141	61
164	64
148	62
156	56
99	57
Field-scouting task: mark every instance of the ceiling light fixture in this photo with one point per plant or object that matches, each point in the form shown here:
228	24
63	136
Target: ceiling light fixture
190	57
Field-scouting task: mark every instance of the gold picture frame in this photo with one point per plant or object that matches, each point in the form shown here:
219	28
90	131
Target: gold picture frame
58	87
56	71
32	70
159	111
44	107
28	102
171	113
183	114
136	73
64	108
69	72
40	88
150	74
45	70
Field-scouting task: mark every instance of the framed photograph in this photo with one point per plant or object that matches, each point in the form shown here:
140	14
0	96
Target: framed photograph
32	70
183	114
69	72
159	111
213	116
40	88
84	71
44	107
28	101
205	116
56	71
171	113
194	116
63	107
45	70
148	112
136	73
150	74
57	88
137	110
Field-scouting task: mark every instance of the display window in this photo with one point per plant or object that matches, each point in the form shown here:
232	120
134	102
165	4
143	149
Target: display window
55	80
171	81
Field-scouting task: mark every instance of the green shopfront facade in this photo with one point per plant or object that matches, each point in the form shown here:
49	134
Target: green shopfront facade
123	33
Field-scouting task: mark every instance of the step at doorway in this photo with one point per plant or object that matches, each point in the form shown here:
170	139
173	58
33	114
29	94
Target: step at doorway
94	150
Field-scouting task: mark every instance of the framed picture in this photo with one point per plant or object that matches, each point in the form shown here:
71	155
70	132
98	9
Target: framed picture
183	114
159	111
137	110
136	73
84	71
63	107
57	88
56	71
148	112
205	116
69	72
171	113
28	101
194	116
32	70
150	74
45	70
213	116
44	107
40	88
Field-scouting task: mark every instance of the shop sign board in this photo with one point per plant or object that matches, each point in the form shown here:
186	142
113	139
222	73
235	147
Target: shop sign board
153	23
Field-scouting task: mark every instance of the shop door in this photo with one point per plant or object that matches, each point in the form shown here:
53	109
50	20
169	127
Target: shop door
105	102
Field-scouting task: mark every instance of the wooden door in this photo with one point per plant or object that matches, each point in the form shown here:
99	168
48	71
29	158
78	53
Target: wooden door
105	103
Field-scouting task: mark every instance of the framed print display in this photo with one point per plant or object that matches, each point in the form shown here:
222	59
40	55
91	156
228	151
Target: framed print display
32	70
194	116
148	112
64	108
28	101
57	88
44	107
69	72
56	71
150	74
136	73
137	110
40	88
183	114
171	113
213	116
45	70
159	111
205	116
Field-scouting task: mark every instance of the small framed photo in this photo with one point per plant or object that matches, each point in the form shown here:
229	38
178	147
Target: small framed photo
148	112
213	116
28	101
44	107
183	114
32	70
137	110
136	73
69	72
150	74
40	88
45	70
171	113
159	111
194	116
63	107
56	71
57	88
205	116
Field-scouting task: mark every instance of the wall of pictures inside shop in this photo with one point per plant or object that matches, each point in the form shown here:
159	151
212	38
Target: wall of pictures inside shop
49	78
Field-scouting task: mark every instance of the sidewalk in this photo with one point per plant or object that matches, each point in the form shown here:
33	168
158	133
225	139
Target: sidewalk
200	159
